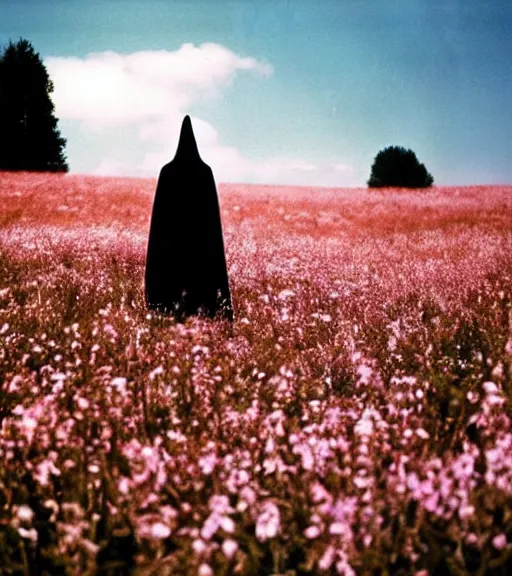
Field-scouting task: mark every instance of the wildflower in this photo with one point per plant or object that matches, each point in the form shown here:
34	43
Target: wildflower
490	388
156	372
285	294
229	547
82	403
340	529
499	542
89	546
30	534
205	570
54	507
119	383
25	513
199	546
327	558
466	511
227	524
43	471
268	522
342	565
364	426
159	530
207	463
312	532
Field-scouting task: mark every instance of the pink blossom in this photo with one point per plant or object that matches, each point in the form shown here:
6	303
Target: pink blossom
312	532
30	534
25	513
159	530
205	570
229	548
499	542
268	521
327	558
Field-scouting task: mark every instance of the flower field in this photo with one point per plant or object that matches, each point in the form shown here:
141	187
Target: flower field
355	419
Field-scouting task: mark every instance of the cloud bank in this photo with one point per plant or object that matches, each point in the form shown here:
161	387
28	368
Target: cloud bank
131	107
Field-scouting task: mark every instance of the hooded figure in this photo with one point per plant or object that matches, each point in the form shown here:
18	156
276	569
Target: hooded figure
185	267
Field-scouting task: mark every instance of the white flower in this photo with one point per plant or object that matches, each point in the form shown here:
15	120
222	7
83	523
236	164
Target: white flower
28	534
82	403
227	524
285	294
25	513
268	522
337	528
120	383
156	372
160	530
229	547
466	511
198	546
205	570
364	426
312	532
210	526
490	388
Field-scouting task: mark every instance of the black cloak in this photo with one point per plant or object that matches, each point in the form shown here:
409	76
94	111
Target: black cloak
185	266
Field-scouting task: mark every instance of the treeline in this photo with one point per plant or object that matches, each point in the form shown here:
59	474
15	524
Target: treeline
30	139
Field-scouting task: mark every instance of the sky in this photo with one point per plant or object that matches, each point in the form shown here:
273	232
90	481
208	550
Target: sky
300	92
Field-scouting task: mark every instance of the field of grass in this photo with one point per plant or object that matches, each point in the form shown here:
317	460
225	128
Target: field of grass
355	419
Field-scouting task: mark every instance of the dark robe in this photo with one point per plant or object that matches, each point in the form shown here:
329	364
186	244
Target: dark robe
185	267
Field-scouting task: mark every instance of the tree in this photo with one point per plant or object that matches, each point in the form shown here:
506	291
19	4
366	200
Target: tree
397	167
29	138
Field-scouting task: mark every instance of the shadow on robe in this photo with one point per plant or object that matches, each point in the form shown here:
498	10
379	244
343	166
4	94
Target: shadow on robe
186	270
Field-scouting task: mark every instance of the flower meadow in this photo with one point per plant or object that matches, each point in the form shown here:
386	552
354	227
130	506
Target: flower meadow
354	419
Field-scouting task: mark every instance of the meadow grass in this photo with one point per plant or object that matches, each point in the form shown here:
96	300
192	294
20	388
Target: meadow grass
355	418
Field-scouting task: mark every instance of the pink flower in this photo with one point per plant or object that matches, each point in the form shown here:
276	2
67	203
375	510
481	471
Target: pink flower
312	532
268	522
30	534
229	547
25	513
499	542
205	570
159	530
327	558
466	511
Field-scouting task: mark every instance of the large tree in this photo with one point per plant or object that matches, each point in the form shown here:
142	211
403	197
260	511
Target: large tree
397	167
29	138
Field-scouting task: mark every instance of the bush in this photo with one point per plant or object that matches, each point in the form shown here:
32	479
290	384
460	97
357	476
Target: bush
397	167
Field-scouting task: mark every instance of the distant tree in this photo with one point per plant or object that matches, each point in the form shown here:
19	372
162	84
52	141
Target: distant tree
397	167
29	138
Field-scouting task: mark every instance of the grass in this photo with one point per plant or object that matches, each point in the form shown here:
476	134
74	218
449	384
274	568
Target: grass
354	419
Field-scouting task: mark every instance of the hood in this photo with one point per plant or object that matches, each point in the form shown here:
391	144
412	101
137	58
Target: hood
187	146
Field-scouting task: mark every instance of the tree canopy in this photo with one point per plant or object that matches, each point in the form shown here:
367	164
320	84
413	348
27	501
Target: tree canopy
397	167
29	137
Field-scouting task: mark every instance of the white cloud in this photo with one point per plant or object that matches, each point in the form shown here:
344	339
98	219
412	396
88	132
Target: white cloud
114	88
148	93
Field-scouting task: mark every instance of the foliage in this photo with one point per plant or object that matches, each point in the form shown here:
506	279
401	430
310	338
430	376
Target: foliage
397	167
355	419
29	138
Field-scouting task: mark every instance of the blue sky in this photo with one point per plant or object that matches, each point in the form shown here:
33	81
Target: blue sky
280	91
